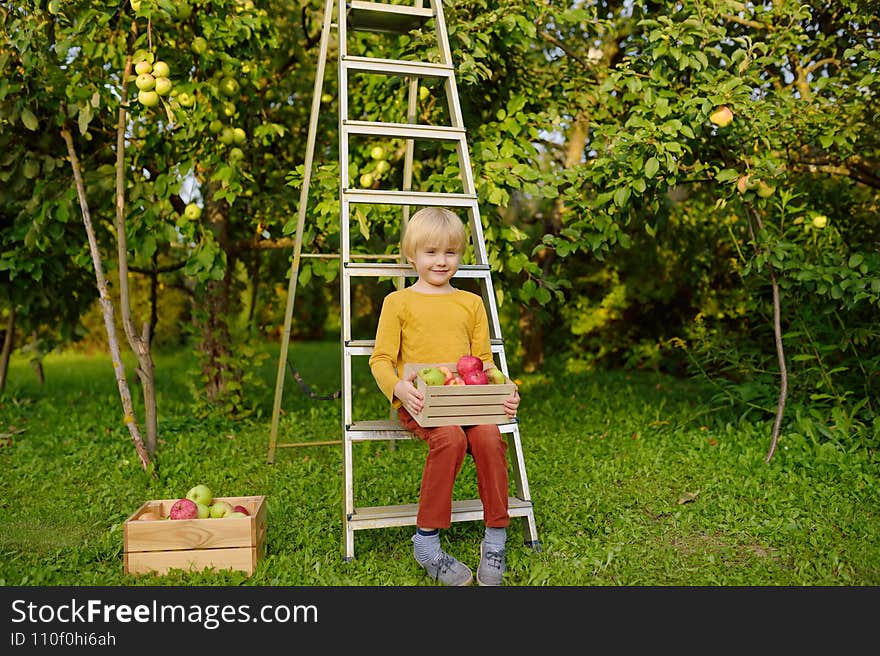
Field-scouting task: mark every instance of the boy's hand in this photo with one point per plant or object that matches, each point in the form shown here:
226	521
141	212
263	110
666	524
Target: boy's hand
409	395
511	403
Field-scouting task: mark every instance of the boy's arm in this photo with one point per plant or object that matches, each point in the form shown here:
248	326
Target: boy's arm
383	361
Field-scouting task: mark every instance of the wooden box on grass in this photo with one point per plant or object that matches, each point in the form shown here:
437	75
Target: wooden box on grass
156	546
460	405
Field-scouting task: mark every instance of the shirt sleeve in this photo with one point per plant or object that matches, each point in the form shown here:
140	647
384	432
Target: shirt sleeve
383	361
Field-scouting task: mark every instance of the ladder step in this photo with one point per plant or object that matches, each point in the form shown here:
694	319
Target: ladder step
381	17
364	269
365	346
405	514
396	67
404	130
423	198
390	429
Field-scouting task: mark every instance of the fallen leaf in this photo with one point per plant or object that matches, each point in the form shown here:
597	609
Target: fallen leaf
687	497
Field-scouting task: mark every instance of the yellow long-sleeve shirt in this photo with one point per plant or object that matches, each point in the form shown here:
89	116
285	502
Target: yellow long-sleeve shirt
427	328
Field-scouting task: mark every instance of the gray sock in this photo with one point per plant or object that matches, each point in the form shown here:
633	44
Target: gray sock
426	546
495	538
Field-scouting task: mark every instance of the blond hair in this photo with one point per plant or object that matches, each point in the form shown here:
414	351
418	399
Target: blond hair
436	226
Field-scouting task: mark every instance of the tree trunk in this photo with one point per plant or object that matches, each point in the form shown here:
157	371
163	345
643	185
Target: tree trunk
217	364
140	343
8	341
107	309
777	335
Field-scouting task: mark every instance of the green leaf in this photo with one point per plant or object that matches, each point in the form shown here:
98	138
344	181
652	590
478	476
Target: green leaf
651	167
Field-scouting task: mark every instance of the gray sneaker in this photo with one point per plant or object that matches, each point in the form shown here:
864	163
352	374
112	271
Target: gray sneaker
449	570
493	564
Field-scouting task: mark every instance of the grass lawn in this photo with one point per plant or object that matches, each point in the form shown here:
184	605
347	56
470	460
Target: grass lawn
635	483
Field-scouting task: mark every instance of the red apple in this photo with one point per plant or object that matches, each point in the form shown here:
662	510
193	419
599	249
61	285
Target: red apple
184	509
477	377
467	364
240	509
454	380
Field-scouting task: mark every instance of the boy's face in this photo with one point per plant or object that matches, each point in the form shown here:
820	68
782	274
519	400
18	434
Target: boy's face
436	263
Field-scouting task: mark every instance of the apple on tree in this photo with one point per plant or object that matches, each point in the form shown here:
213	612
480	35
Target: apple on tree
192	212
722	116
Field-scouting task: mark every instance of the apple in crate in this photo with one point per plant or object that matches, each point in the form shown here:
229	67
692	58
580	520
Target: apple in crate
475	377
202	494
221	509
241	509
432	376
468	363
495	376
184	509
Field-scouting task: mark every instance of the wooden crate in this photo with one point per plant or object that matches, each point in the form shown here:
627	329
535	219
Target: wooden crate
157	546
461	405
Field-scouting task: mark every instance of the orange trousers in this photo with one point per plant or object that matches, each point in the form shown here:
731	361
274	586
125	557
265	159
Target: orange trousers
447	446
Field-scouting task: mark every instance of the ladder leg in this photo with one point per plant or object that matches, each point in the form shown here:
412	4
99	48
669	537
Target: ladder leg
297	250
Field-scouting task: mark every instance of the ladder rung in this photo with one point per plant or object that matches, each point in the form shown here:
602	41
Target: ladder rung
365	346
365	269
405	514
397	67
381	17
404	130
390	429
424	198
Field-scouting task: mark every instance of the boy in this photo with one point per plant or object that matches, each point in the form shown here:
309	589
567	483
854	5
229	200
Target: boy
431	321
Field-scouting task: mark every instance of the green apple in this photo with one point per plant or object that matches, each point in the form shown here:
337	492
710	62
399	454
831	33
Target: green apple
192	212
432	376
239	135
382	166
496	376
161	69
204	511
820	221
227	136
366	180
765	190
377	152
235	513
215	126
163	86
201	493
183	9
229	109
186	99
145	82
143	66
229	86
220	509
326	98
424	93
148	98
236	154
199	45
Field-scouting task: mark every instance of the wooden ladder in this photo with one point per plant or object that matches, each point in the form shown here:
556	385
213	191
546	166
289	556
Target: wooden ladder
400	19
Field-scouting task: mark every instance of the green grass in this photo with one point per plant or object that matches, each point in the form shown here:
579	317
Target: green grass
634	483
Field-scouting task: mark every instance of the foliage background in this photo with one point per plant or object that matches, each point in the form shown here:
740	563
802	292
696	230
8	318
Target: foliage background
626	230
